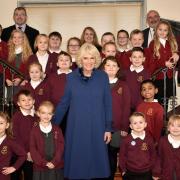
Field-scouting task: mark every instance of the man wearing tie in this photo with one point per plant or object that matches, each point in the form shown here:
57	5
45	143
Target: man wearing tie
20	18
152	20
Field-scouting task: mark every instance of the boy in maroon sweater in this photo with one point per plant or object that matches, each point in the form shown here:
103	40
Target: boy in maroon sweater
152	110
135	74
169	150
137	153
23	121
57	80
8	147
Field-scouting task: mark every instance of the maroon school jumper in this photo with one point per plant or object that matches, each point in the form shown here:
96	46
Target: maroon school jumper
3	50
134	81
169	159
153	112
120	106
137	155
125	59
7	148
40	93
37	148
51	63
56	83
3	53
165	54
22	126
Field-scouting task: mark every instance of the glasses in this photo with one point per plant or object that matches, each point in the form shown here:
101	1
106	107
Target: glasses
73	45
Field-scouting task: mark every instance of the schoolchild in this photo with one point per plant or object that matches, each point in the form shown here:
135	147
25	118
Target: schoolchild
73	46
42	56
138	156
135	74
57	81
164	49
47	146
23	120
37	84
107	37
169	150
152	110
120	107
8	147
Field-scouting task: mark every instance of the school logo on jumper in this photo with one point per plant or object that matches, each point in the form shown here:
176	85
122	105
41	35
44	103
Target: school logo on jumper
133	143
41	92
35	123
119	91
150	112
4	150
144	147
140	79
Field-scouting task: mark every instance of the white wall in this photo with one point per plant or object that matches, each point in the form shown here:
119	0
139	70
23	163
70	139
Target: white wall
167	8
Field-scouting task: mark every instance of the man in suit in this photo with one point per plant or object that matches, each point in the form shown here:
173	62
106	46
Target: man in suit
152	20
20	18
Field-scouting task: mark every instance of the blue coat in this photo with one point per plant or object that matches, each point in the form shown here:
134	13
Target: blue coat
89	117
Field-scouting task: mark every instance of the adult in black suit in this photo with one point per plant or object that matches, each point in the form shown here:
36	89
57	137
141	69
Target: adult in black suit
20	18
152	20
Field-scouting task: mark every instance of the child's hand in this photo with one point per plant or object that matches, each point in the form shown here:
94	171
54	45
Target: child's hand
169	64
29	157
23	83
107	137
16	81
8	170
9	82
50	165
175	57
124	133
155	178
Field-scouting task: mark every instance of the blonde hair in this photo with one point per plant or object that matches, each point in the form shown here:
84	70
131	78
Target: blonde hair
109	43
87	48
6	117
26	49
37	39
95	38
47	104
37	64
170	38
137	114
174	119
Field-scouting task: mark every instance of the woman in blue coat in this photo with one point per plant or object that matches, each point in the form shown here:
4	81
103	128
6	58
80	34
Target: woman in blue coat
88	98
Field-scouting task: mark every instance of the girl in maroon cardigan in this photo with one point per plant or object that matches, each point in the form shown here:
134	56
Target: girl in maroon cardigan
8	147
18	53
164	49
47	146
120	107
37	85
169	150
